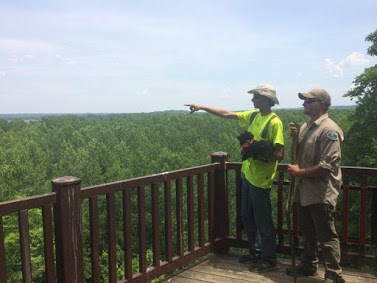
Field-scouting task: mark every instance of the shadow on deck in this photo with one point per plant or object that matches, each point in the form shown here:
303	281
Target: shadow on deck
225	268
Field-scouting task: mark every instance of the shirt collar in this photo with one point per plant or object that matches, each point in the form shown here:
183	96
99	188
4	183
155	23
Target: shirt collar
319	120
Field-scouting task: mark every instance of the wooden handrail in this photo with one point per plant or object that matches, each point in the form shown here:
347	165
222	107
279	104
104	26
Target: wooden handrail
178	217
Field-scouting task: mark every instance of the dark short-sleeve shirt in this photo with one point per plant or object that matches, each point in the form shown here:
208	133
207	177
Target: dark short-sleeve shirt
320	144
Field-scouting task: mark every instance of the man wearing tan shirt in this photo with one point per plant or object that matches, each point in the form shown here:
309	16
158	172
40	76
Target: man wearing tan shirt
318	183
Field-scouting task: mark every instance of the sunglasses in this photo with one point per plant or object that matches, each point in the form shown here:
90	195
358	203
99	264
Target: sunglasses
311	100
257	96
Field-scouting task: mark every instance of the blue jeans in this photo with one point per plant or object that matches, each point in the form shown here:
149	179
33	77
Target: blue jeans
257	220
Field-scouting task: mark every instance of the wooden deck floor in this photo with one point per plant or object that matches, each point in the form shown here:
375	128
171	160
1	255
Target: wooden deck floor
225	268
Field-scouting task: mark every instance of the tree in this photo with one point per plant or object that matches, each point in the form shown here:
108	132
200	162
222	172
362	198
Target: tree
361	140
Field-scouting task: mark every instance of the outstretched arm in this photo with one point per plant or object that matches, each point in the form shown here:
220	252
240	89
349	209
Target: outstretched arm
215	111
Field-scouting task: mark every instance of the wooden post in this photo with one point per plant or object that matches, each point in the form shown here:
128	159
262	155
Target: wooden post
221	204
68	230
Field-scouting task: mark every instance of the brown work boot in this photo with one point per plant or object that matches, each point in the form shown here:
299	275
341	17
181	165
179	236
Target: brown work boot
333	279
249	258
263	266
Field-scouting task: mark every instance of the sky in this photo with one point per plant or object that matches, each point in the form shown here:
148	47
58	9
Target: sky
79	56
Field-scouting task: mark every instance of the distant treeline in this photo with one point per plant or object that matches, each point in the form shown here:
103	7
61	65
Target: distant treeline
39	116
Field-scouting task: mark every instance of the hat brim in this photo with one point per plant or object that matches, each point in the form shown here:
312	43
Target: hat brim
267	94
305	95
254	91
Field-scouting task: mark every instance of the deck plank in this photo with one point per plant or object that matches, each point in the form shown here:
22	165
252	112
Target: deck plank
226	269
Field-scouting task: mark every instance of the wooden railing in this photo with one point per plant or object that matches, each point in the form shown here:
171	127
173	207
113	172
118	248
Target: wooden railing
358	246
165	221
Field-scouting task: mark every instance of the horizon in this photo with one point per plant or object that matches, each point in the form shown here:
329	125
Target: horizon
332	107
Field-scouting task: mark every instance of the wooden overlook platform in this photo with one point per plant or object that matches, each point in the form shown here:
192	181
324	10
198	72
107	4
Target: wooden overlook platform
140	229
226	269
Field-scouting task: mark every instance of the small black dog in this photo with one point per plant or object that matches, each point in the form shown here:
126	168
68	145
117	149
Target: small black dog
254	149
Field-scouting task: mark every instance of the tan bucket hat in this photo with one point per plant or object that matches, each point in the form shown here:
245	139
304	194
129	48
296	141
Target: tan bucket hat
266	90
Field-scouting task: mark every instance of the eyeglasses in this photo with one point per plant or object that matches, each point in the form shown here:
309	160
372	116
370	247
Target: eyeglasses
257	96
311	100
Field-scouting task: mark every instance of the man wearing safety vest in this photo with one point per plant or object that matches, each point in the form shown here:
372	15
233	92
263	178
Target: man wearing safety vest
258	175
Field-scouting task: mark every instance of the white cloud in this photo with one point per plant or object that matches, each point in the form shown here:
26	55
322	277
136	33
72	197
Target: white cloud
2	74
336	69
11	45
143	92
356	59
68	61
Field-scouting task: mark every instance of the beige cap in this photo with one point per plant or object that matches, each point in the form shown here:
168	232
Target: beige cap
318	93
266	90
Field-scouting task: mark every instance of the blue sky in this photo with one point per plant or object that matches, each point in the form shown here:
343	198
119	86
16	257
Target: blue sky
144	56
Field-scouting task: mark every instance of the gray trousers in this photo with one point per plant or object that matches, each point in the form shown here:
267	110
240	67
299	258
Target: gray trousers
316	222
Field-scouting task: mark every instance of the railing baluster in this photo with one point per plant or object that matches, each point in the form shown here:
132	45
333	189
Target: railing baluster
25	246
211	206
3	263
345	214
179	217
190	213
280	207
94	239
110	201
239	224
200	210
373	222
363	214
168	222
155	225
127	232
141	230
48	238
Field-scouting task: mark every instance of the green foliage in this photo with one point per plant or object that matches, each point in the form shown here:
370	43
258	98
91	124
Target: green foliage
363	130
101	149
372	50
12	240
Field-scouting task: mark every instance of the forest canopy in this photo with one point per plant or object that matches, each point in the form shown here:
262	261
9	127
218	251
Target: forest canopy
105	148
